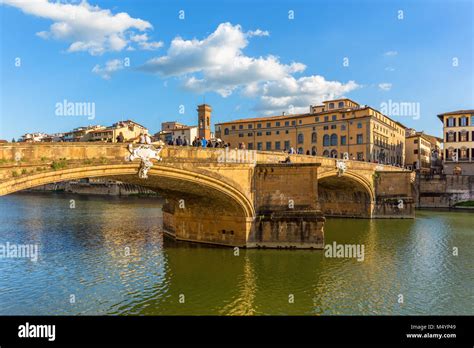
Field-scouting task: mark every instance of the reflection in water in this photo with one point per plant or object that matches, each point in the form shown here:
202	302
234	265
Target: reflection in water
111	255
244	303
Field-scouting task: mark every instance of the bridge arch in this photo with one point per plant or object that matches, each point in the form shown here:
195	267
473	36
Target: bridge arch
349	195
198	206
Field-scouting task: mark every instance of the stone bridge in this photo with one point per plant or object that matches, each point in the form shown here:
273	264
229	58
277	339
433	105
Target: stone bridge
222	196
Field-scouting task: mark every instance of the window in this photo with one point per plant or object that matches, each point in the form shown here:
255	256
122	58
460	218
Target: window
415	151
259	146
334	117
359	125
300	138
331	105
326	118
343	140
226	131
450	137
249	134
287	123
286	132
269	124
360	156
472	120
450	122
293	123
233	127
316	119
463	121
259	134
343	127
333	139
241	135
359	139
268	133
313	137
277	145
278	124
326	127
326	140
259	125
287	144
333	126
326	153
250	146
268	145
415	141
463	136
241	126
277	132
340	104
250	126
300	121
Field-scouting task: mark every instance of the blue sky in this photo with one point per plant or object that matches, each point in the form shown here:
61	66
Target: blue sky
244	58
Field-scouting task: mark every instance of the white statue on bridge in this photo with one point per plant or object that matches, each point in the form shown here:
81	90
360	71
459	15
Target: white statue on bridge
146	153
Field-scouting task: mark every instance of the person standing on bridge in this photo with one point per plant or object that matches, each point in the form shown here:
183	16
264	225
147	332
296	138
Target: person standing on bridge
120	138
203	142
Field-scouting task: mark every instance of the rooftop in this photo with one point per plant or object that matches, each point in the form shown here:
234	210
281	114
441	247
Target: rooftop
457	112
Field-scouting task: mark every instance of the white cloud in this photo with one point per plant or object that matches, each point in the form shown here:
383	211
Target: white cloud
389	68
299	94
220	62
390	53
110	67
385	86
217	63
86	27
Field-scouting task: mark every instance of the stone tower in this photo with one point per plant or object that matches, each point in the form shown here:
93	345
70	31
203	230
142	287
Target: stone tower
204	121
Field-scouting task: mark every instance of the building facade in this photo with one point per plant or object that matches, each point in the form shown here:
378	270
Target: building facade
333	129
458	132
418	151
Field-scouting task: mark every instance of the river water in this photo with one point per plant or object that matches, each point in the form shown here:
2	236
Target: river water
105	255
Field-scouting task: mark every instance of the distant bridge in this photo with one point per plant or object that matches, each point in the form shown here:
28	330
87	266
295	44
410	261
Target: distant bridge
227	197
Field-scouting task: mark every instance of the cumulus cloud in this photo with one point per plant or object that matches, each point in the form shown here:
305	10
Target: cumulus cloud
86	27
385	86
110	67
220	62
295	95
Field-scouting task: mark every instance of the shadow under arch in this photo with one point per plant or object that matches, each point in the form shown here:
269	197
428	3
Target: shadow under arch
349	195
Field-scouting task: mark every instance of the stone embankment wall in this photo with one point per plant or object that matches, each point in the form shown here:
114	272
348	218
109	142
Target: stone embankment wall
444	191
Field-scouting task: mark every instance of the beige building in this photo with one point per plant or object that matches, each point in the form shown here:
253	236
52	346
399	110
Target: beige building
171	131
129	129
335	128
458	132
418	151
80	133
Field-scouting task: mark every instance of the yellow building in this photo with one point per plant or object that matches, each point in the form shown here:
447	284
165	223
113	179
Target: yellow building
332	129
418	151
458	132
129	129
